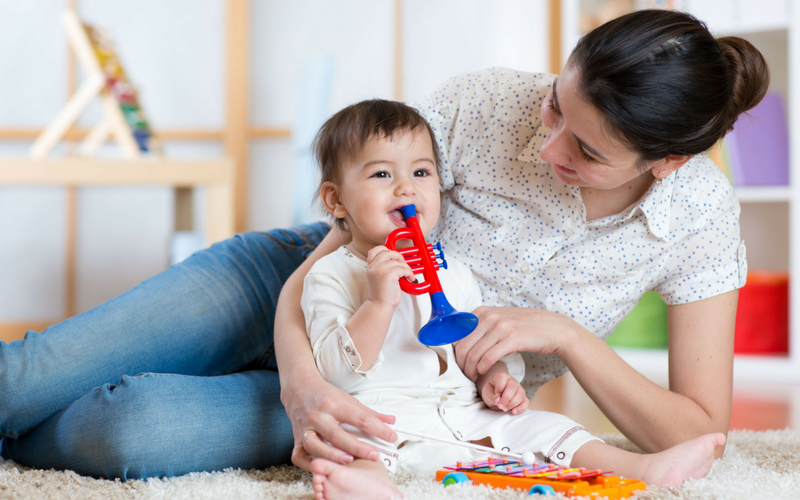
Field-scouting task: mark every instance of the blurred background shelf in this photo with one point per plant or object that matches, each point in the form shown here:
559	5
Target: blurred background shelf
777	369
764	194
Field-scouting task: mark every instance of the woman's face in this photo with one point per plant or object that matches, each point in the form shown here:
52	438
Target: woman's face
579	148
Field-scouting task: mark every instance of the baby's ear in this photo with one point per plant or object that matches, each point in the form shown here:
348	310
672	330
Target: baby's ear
331	199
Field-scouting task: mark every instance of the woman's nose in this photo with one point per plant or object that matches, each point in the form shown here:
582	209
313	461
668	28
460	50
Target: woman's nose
554	149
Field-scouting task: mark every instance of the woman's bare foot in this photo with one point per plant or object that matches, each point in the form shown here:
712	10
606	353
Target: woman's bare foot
671	467
360	480
689	460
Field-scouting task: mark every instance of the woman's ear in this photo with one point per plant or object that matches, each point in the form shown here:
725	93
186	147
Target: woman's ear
665	166
332	200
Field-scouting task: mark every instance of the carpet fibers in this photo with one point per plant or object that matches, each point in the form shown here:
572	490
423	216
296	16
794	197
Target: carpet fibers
756	465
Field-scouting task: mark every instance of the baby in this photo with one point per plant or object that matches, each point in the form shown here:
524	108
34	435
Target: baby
376	157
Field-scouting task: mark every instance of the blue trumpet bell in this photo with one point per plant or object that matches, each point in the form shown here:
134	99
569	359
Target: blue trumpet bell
446	325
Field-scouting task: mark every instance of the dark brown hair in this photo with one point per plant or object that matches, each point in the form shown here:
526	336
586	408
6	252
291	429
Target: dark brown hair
346	133
665	84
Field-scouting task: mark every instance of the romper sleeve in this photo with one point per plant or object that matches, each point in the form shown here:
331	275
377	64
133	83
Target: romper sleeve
515	364
327	308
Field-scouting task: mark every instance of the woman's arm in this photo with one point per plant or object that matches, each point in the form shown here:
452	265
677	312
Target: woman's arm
700	378
311	403
654	418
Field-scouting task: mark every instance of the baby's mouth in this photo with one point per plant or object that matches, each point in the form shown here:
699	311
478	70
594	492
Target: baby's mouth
398	217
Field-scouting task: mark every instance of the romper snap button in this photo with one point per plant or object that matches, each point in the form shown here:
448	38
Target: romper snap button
561	455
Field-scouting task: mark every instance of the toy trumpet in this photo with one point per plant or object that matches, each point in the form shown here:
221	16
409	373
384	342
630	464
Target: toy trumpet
446	325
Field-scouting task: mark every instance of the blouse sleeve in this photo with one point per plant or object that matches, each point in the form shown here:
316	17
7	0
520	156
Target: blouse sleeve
708	256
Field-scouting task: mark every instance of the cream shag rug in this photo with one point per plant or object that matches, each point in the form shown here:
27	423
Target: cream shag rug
756	465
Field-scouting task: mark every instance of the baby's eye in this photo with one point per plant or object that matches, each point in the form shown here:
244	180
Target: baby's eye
381	175
423	172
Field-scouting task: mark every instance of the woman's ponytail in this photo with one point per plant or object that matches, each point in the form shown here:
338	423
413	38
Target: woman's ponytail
748	72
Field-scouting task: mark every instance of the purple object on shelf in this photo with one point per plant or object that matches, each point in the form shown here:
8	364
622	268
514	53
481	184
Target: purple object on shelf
758	145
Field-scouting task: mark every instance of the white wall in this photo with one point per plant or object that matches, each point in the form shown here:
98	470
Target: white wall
174	53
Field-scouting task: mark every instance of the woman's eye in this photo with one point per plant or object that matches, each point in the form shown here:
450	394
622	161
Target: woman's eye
585	156
552	105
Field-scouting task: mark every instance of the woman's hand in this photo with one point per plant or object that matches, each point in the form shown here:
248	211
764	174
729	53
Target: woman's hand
317	412
503	330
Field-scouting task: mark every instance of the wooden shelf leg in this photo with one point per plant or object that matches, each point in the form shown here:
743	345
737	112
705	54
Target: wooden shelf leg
219	212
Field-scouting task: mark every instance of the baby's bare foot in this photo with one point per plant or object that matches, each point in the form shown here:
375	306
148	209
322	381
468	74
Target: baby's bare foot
339	482
692	459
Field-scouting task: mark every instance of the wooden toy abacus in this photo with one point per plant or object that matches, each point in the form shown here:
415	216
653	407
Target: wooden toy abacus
123	117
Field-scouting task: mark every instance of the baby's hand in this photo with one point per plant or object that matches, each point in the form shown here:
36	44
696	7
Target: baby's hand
384	269
503	392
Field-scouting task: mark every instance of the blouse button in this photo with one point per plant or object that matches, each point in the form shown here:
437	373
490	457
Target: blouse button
525	267
513	282
503	295
569	232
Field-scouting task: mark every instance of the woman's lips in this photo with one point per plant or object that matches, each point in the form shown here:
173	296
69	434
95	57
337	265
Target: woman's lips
564	169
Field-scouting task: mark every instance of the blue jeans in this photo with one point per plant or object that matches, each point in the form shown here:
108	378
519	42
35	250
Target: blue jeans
174	376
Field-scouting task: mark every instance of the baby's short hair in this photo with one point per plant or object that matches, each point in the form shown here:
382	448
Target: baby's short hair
346	133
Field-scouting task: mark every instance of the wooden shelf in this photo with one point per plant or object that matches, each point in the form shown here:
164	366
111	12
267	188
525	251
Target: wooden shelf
215	175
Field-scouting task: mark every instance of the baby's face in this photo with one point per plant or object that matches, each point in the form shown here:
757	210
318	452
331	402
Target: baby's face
387	174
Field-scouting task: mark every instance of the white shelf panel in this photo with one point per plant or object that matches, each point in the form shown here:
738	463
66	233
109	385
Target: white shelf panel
763	194
774	369
653	364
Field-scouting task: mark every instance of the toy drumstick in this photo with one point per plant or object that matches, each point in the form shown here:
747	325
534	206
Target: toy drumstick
526	458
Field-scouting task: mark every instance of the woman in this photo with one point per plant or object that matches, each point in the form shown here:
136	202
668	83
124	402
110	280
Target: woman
178	374
564	251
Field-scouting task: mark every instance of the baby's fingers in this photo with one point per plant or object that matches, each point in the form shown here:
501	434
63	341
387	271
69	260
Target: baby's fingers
519	402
